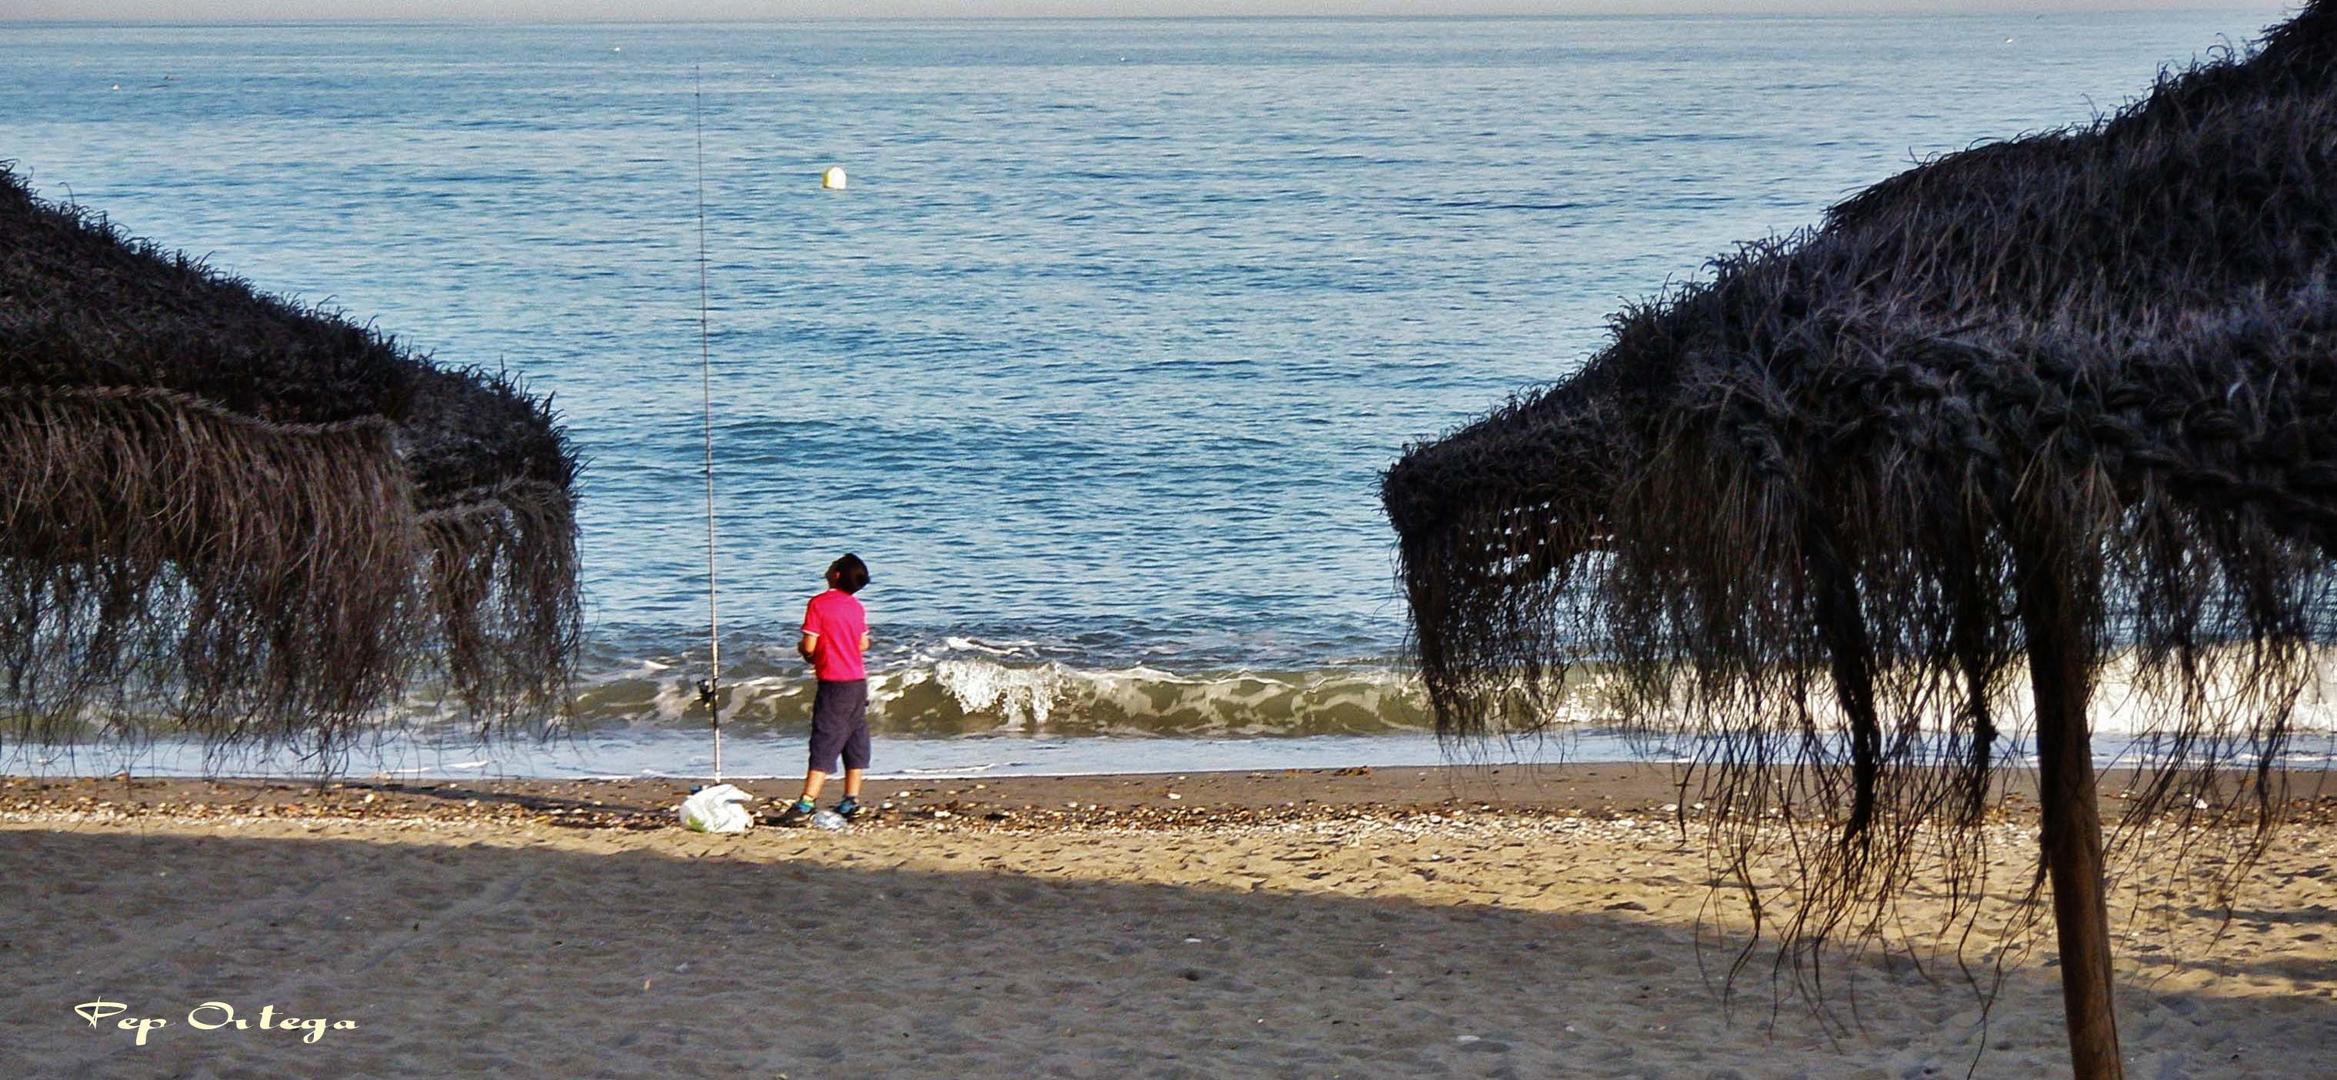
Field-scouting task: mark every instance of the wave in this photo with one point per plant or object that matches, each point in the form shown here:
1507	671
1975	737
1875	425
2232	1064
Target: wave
959	685
950	686
980	695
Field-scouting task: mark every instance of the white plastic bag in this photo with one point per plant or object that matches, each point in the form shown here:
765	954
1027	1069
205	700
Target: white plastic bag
717	809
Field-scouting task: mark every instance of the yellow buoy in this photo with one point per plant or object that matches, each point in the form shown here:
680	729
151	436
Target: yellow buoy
832	178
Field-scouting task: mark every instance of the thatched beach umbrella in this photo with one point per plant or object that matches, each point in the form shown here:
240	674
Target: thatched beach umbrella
2025	414
232	515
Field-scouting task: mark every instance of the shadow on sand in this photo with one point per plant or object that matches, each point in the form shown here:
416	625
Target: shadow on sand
719	957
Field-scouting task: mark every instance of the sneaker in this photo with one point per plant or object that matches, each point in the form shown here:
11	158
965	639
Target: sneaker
848	809
798	812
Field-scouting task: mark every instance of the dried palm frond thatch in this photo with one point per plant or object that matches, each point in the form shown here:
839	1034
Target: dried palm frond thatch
226	514
2024	417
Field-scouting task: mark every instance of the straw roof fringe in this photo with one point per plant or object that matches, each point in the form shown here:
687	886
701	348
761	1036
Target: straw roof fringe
224	513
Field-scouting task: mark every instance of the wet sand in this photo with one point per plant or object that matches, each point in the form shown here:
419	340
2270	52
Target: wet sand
1476	922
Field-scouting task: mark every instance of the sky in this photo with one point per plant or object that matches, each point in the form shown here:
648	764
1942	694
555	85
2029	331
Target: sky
743	10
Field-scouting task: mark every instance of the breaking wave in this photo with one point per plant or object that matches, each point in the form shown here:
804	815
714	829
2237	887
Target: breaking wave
976	695
965	686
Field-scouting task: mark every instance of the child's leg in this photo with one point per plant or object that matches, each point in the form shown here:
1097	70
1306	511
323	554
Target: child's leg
831	730
855	748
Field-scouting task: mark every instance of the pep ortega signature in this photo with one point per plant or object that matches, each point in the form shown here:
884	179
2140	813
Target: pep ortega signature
211	1016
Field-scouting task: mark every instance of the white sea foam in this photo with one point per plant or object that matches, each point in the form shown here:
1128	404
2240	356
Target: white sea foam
1025	697
962	685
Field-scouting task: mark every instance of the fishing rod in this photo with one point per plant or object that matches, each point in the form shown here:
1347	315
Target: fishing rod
710	687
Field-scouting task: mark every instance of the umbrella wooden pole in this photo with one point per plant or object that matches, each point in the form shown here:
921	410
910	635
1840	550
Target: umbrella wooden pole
2060	675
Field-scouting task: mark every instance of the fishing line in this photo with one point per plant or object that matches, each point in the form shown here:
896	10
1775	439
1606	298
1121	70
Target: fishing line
710	687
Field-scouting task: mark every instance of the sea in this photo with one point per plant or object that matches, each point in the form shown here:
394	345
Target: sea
1096	359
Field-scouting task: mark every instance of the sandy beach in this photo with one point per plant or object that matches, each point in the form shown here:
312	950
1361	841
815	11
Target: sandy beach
1473	922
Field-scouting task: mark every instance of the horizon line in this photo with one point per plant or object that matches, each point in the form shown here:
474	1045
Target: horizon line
1780	12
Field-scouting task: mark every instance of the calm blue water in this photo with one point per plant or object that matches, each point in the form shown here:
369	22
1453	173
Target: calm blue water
1098	359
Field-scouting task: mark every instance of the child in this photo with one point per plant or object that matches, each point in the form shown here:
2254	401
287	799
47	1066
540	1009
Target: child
835	637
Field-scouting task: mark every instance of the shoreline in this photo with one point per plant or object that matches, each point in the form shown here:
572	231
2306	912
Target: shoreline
1189	799
679	756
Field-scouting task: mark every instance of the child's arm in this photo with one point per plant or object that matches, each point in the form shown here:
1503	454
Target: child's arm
809	643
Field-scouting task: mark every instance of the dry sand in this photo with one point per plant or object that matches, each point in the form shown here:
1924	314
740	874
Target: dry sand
1401	923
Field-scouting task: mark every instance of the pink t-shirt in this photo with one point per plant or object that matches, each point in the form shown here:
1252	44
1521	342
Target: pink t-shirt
837	617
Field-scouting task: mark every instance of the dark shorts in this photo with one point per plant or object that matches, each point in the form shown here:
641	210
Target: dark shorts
839	725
